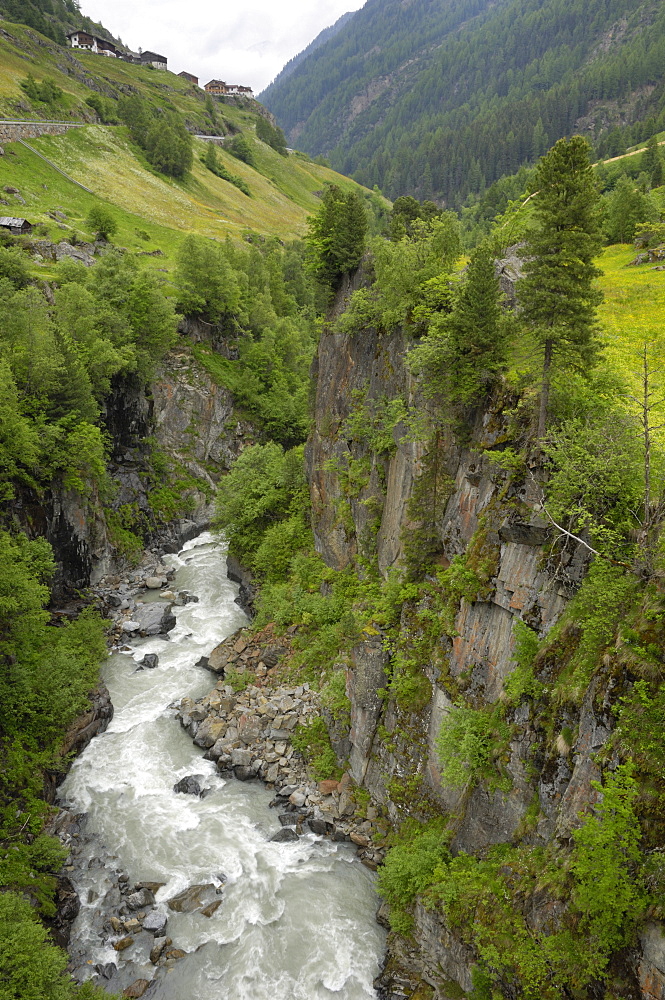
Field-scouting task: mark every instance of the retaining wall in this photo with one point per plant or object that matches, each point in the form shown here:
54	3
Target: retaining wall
12	131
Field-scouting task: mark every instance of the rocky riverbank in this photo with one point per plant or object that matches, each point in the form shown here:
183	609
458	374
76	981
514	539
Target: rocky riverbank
250	734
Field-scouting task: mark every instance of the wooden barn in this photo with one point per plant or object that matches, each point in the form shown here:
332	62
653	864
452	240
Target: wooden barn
17	226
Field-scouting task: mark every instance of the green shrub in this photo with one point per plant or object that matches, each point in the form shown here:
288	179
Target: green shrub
468	744
313	742
409	868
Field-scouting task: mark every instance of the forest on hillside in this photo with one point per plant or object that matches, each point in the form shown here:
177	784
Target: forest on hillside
440	102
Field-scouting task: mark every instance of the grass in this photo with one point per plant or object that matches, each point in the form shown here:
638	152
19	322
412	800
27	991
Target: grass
284	189
633	311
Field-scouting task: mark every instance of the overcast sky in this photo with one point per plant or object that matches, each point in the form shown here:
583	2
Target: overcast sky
246	41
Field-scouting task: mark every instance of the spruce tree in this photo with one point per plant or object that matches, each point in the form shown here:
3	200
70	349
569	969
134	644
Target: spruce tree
557	293
477	329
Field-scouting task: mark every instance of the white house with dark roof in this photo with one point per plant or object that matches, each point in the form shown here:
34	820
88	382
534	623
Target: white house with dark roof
80	39
154	59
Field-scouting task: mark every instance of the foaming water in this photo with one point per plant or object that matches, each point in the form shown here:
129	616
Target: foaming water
296	919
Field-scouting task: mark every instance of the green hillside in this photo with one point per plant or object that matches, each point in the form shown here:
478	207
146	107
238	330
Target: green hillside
439	101
103	158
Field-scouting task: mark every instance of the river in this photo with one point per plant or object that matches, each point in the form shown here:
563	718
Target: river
296	920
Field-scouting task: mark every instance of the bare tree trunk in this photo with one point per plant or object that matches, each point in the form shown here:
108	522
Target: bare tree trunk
545	389
647	440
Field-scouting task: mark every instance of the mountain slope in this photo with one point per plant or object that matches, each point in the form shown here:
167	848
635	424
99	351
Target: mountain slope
283	190
323	36
440	100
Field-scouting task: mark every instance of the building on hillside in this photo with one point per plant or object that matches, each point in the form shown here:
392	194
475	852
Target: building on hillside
190	78
153	59
227	89
16	226
215	87
92	43
235	90
106	48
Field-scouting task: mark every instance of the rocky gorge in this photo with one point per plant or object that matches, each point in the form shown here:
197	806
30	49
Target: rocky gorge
389	765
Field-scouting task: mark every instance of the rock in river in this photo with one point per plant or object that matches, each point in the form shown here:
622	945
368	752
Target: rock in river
154	619
285	835
190	784
192	898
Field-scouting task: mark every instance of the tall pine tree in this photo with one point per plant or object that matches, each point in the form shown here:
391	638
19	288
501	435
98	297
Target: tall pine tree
557	293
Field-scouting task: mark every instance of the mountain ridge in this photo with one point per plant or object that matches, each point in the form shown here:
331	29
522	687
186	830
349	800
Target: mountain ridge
440	104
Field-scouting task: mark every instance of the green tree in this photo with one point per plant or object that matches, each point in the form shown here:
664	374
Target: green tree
336	235
626	208
464	350
102	222
557	293
207	284
241	149
14	266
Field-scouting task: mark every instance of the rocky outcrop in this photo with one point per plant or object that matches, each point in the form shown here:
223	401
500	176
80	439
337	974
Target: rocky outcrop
183	414
498	525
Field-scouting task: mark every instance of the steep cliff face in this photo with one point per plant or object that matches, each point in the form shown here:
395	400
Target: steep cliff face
182	414
493	524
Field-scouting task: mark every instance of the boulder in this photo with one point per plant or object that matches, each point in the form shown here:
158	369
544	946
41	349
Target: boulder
328	786
154	582
190	784
123	943
155	923
157	949
210	730
211	908
140	900
191	899
243	773
218	659
154	619
106	971
137	989
288	819
150	661
241	758
318	826
271	655
286	835
131	627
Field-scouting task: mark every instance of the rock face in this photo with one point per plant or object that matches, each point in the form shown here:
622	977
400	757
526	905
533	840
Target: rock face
502	527
188	417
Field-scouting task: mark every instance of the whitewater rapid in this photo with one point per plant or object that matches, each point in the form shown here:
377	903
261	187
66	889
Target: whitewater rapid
297	920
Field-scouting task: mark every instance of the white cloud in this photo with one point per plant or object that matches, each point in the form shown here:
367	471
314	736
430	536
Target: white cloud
246	43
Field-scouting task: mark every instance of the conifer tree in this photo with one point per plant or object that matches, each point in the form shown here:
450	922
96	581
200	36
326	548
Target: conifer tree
557	293
336	237
477	329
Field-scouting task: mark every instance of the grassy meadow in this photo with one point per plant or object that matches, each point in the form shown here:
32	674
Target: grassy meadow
152	211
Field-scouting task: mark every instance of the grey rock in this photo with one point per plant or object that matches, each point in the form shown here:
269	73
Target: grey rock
193	898
286	835
243	773
241	758
154	619
150	661
141	899
155	923
189	785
